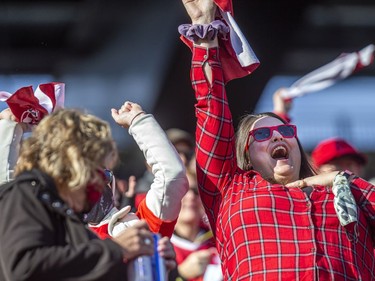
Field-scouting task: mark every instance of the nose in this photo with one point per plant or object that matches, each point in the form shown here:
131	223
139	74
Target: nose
276	136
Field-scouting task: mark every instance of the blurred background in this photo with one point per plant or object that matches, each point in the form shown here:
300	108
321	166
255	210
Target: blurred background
107	52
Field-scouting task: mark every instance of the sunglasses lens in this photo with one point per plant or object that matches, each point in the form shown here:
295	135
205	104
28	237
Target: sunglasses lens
286	131
108	176
262	134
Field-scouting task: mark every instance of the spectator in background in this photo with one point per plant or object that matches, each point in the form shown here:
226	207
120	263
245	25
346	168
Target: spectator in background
184	144
196	256
338	154
333	154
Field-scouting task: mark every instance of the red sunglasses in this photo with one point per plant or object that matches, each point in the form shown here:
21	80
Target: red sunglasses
265	133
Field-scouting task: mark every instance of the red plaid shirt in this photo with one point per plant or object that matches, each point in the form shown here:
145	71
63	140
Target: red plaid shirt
265	231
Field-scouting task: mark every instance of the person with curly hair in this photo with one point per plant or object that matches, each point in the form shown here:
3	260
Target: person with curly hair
59	177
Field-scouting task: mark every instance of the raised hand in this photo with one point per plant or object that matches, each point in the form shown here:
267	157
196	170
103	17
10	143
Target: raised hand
200	11
131	187
281	105
126	115
127	188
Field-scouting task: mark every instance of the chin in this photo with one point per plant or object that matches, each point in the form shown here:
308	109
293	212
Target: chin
285	173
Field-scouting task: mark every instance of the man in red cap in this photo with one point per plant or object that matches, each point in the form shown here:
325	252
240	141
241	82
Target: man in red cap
336	154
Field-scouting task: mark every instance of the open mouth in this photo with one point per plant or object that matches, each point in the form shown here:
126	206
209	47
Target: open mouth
280	152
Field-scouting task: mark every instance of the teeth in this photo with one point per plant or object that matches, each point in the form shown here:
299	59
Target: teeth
278	148
279	152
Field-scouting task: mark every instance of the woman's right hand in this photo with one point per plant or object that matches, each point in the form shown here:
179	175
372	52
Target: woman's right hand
200	11
136	241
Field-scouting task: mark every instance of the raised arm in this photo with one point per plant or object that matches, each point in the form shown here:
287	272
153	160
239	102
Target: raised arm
215	144
282	106
170	183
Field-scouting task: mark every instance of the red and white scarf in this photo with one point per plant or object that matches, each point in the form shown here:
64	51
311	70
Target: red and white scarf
327	75
236	55
29	106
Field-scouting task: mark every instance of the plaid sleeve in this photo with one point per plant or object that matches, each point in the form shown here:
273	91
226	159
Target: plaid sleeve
364	194
215	148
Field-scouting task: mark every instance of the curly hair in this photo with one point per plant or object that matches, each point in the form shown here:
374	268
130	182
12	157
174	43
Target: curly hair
69	146
243	130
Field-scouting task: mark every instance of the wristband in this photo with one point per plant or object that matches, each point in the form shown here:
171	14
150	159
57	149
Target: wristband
139	113
204	31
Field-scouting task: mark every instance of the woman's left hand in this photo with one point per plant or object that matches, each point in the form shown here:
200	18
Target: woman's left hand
325	179
126	115
166	251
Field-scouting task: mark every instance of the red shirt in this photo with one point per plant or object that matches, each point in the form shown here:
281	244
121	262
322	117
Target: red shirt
265	231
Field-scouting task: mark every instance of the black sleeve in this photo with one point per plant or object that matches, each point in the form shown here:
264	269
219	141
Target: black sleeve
29	249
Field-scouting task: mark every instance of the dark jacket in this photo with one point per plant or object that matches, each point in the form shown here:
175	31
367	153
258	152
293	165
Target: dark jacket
41	238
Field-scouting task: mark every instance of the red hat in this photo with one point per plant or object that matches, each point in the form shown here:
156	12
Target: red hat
333	148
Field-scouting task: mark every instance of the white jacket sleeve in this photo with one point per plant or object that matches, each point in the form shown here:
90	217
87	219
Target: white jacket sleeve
11	135
170	183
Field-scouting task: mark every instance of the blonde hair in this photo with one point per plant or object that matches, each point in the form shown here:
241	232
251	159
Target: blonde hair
69	146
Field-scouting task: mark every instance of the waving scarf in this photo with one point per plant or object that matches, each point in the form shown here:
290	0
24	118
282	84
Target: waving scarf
29	106
331	73
236	55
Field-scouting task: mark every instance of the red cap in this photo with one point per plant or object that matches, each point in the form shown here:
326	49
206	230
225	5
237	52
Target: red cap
333	148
